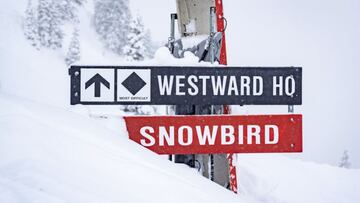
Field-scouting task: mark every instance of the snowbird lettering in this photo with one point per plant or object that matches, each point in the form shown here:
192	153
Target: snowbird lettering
207	135
217	134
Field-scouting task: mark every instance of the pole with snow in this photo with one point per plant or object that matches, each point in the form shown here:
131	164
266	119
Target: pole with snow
227	110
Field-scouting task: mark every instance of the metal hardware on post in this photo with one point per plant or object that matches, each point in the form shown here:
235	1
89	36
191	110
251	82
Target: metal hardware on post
171	39
291	108
212	60
212	168
222	60
170	45
212	34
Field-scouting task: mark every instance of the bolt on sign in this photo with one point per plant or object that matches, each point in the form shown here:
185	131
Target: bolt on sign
96	85
217	134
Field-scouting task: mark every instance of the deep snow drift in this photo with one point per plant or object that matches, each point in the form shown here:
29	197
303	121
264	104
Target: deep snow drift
49	154
276	178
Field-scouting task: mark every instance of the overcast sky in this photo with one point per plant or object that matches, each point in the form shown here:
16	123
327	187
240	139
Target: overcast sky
322	36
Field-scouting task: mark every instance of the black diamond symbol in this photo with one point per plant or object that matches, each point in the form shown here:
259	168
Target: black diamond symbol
133	83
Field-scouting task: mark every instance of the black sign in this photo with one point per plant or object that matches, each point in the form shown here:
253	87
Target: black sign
186	85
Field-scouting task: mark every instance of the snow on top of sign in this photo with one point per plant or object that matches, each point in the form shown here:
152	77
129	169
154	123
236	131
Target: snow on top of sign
191	27
191	41
163	57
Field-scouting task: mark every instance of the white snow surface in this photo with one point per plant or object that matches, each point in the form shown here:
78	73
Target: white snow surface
49	154
53	152
276	178
189	42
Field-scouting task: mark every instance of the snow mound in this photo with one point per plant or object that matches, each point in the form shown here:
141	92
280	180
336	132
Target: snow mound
276	178
48	154
164	57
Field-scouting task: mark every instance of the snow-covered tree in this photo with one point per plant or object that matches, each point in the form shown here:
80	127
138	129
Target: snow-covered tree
73	53
49	22
138	45
31	26
138	48
111	21
51	15
344	162
151	47
44	17
68	9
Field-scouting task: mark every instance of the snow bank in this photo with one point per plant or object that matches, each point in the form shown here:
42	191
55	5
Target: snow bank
163	57
48	154
276	178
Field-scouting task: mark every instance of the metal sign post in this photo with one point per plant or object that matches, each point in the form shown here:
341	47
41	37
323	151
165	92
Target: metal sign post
221	27
212	60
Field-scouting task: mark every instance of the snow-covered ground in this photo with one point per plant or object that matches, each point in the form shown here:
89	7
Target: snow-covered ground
276	178
50	154
53	152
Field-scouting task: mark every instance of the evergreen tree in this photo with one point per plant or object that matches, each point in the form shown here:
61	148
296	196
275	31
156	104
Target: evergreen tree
73	53
56	33
111	21
344	162
49	22
43	26
44	18
150	45
138	43
68	9
30	26
138	48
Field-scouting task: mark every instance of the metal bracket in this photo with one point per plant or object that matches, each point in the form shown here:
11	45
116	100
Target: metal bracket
171	39
290	108
212	34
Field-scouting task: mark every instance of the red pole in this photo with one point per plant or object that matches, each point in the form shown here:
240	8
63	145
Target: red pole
232	173
227	110
221	28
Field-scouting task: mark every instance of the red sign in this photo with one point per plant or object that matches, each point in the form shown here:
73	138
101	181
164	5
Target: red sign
217	134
